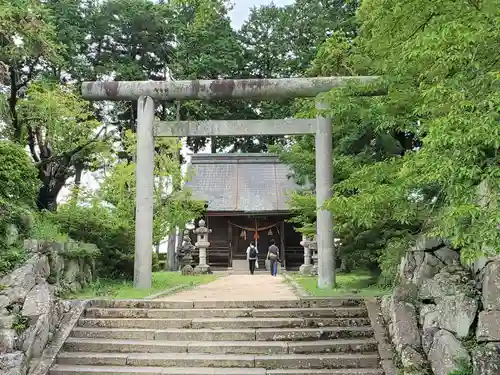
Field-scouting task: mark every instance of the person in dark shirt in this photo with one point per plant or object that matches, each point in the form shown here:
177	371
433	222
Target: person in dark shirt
273	256
252	253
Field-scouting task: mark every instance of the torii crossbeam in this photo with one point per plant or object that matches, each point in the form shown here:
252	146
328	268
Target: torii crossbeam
145	92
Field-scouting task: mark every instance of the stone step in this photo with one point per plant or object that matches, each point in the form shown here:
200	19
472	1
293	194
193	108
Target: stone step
311	334
324	312
262	334
307	302
318	312
220	347
206	304
285	361
168	313
220	323
345	371
128	370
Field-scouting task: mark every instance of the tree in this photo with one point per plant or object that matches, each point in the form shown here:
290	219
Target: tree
19	182
61	132
445	55
27	44
411	161
172	207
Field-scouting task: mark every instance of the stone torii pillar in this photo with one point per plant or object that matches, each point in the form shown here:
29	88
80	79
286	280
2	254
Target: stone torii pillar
202	244
144	193
227	89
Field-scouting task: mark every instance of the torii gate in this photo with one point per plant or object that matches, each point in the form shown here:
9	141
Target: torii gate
145	92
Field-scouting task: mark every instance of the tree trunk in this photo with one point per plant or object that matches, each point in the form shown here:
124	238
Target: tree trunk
213	145
78	181
47	198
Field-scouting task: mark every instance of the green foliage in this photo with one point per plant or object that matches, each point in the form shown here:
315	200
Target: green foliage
172	207
120	289
390	259
18	176
46	229
98	225
26	31
349	284
13	217
11	257
80	250
58	118
413	160
20	324
464	368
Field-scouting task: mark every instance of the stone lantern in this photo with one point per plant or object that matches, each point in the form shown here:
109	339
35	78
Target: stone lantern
306	268
313	248
202	244
187	251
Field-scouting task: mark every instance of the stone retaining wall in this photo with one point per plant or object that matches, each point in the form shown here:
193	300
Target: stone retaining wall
443	317
30	311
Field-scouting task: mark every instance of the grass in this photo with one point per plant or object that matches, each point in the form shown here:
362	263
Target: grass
350	284
120	289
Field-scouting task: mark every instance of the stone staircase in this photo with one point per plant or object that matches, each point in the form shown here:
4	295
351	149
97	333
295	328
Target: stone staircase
283	337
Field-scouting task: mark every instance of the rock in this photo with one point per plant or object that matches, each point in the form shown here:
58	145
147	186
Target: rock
11	234
406	292
38	301
36	337
386	307
488	326
480	263
42	266
7	340
447	255
428	243
71	271
428	338
491	286
6	321
429	316
410	262
405	329
446	353
445	284
4	302
18	283
13	363
56	263
429	267
486	359
457	313
411	358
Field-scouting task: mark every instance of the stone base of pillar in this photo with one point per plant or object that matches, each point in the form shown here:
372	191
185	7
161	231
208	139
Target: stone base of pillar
202	269
314	270
306	269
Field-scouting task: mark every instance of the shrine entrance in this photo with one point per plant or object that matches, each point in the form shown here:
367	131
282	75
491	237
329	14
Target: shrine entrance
257	89
258	229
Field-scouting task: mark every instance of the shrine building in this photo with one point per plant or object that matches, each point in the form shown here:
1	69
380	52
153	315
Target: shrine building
246	197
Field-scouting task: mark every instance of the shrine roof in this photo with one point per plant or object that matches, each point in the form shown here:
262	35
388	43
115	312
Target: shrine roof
240	182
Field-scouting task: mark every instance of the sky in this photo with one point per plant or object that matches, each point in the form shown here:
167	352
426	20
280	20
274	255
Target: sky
241	9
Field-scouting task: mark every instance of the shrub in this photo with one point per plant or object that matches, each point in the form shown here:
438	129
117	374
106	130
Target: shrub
100	226
390	259
15	226
19	183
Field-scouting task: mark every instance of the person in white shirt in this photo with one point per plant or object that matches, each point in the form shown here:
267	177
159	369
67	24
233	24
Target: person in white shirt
252	253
